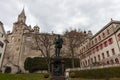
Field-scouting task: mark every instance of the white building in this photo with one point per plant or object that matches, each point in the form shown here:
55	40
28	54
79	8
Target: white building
2	42
103	49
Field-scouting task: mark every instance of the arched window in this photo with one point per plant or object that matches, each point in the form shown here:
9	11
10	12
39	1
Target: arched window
92	42
103	35
110	41
117	61
93	50
99	38
99	57
97	48
107	53
91	60
88	61
95	40
108	62
113	51
105	44
94	59
101	46
103	55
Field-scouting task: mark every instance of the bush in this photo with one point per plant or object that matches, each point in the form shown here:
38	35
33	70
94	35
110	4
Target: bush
72	75
98	73
35	64
39	63
46	75
68	62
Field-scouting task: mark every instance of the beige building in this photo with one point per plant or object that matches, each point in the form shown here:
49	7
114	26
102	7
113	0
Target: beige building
102	49
2	42
24	42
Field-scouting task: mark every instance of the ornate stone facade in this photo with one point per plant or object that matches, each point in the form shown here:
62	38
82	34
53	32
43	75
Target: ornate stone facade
21	44
25	41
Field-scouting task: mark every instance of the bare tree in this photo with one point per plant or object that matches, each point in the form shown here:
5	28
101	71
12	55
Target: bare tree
44	43
74	39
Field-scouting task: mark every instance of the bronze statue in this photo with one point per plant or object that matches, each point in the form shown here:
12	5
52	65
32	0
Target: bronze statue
58	45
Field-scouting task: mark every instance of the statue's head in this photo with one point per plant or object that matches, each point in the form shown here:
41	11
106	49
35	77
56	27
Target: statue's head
58	36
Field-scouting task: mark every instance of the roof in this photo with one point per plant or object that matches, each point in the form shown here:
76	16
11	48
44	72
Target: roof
107	25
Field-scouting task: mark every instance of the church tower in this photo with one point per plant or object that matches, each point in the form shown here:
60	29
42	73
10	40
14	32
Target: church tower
36	29
22	17
20	26
14	47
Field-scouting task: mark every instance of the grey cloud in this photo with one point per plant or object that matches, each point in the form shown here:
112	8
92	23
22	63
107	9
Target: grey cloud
59	15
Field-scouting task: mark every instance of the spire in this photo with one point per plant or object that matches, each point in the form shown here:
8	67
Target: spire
22	13
22	17
111	19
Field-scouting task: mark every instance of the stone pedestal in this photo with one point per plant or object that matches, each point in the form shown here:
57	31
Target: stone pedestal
57	68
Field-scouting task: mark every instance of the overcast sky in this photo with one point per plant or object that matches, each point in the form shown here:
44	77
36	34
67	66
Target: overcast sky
59	15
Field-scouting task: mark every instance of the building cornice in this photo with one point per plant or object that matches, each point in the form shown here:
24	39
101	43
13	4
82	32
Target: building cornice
106	26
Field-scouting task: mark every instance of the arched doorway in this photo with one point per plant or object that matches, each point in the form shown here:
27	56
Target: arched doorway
7	69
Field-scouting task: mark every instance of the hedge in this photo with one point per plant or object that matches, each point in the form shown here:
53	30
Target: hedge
35	64
39	63
68	62
97	73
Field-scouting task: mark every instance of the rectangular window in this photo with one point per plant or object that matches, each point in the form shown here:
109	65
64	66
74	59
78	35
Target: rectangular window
103	55
95	59
91	60
101	46
113	51
88	61
107	53
99	57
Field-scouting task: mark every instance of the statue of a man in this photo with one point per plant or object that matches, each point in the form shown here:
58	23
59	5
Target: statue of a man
58	45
